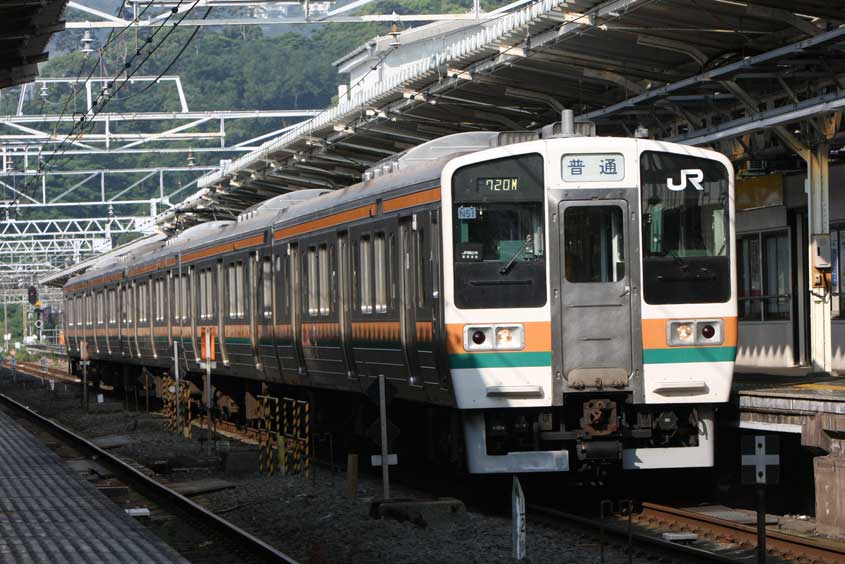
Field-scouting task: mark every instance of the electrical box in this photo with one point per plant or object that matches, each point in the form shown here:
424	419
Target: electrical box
821	251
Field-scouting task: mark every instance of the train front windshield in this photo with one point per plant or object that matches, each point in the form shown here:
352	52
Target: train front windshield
499	233
685	229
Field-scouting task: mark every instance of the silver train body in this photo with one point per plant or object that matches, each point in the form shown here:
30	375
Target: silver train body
572	300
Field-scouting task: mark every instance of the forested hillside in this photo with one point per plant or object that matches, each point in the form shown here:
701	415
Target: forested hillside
221	68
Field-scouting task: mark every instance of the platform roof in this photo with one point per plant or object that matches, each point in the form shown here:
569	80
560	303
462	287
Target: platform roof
756	80
25	29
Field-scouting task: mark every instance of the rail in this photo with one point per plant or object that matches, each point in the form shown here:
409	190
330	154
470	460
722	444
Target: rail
257	548
782	545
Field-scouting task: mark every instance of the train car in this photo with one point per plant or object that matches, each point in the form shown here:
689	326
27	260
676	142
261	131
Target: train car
535	304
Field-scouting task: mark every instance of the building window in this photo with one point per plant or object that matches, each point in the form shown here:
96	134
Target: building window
837	269
764	276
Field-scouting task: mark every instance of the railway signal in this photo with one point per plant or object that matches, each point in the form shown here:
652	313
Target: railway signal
761	467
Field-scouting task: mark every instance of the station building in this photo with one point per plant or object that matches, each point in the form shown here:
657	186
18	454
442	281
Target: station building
773	277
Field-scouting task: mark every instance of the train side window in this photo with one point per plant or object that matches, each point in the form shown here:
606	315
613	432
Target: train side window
324	274
99	299
232	291
209	293
419	266
183	296
281	288
235	273
177	297
129	303
203	298
145	300
267	287
159	299
311	272
113	306
139	305
380	273
365	269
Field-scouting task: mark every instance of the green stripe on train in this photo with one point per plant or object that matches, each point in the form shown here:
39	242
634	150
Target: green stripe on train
697	354
500	359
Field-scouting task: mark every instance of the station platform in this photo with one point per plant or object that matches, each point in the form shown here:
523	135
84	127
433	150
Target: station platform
790	400
48	513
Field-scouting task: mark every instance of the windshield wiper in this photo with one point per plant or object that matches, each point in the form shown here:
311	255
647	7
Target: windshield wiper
681	262
508	265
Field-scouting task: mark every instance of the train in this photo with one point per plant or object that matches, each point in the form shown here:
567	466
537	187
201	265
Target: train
535	303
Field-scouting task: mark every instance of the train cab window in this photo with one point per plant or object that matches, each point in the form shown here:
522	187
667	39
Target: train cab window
684	229
594	244
235	272
365	269
499	245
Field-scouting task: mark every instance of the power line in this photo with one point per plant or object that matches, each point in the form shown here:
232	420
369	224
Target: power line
106	94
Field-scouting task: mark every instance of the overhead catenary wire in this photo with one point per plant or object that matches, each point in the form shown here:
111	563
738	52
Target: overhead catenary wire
96	107
105	95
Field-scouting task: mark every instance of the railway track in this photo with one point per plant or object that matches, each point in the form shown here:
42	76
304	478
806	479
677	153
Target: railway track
204	537
721	540
38	371
728	541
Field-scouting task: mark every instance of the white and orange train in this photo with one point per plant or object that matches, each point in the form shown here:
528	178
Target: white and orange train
552	302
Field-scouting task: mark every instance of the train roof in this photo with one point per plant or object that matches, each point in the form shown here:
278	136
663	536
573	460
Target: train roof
418	165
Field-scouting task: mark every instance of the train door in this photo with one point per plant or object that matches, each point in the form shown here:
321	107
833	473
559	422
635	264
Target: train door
408	298
595	296
344	285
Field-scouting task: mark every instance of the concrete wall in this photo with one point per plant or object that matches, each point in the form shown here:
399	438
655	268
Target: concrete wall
838	340
767	343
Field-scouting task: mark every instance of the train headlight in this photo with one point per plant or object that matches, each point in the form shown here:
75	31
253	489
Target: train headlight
695	332
494	337
681	333
510	337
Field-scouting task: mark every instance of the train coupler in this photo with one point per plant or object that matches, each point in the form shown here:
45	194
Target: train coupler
599	451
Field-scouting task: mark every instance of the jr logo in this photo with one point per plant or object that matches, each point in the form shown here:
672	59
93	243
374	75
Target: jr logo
692	176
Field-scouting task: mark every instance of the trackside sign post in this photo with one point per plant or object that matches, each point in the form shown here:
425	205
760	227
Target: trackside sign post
518	519
760	468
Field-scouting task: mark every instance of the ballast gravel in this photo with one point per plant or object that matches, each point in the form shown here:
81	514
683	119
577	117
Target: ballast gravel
313	520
